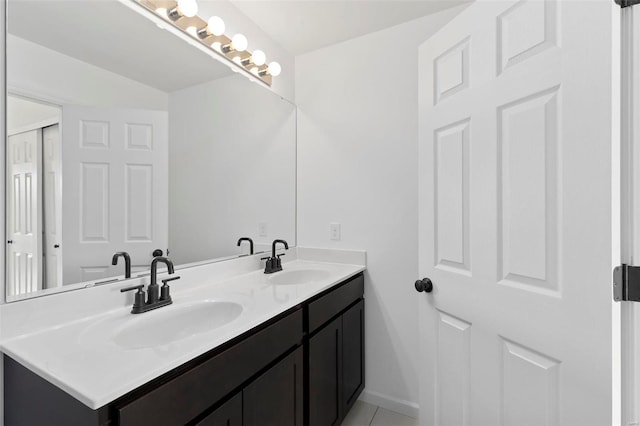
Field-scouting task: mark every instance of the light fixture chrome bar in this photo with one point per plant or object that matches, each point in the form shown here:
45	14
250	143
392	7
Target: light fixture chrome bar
196	29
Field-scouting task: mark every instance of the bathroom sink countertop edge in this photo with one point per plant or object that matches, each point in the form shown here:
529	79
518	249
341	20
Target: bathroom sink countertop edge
83	359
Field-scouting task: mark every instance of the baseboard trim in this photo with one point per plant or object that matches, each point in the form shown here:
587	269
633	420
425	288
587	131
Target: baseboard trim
387	402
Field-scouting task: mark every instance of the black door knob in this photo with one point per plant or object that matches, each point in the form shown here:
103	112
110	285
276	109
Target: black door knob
425	285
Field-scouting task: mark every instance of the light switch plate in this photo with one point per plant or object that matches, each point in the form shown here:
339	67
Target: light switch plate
262	229
334	231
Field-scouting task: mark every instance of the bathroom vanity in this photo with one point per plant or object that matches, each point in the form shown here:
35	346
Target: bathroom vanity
303	365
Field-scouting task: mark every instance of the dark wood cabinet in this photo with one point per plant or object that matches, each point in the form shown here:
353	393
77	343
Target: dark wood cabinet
306	366
227	414
276	397
352	355
336	362
325	375
182	398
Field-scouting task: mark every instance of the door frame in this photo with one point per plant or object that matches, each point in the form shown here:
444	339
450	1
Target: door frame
629	174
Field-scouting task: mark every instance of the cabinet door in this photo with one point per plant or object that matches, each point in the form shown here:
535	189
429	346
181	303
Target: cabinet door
228	414
325	375
352	355
276	397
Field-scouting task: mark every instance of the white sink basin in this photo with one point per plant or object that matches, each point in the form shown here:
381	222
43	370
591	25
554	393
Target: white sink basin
161	327
298	276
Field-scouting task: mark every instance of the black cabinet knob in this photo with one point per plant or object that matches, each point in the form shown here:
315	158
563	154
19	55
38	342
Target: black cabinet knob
425	285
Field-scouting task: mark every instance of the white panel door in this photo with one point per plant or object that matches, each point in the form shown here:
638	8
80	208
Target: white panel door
52	198
24	238
115	187
515	216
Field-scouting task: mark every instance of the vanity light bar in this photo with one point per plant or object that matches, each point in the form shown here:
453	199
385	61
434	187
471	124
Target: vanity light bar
182	14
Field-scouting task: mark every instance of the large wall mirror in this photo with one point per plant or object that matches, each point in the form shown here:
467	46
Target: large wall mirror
124	138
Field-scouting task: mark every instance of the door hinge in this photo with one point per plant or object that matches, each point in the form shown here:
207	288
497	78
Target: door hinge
626	283
626	3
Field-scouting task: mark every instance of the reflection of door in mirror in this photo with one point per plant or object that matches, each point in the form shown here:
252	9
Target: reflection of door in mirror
52	212
115	189
33	181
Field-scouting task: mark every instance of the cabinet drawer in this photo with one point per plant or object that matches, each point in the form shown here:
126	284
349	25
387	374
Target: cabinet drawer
331	304
184	397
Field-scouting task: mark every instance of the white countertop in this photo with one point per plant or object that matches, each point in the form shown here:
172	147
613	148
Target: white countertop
81	357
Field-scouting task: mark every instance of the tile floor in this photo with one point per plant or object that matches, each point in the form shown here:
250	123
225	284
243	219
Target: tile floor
363	414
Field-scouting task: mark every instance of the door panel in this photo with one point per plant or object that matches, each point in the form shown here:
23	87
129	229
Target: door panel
452	197
325	375
276	397
453	375
24	259
116	181
515	153
352	355
52	197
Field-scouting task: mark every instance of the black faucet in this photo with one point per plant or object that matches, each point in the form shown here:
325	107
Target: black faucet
127	262
274	264
153	291
250	243
157	297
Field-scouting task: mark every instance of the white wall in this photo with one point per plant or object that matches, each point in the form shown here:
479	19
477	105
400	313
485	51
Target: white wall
23	114
232	164
357	165
37	71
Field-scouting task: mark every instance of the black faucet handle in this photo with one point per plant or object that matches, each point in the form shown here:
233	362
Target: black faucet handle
138	300
166	280
135	287
164	290
265	258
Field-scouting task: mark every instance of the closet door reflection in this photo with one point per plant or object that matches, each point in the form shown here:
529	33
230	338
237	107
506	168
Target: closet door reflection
33	197
52	213
24	204
24	239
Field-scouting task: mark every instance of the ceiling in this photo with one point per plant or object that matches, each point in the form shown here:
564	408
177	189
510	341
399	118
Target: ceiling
301	26
108	35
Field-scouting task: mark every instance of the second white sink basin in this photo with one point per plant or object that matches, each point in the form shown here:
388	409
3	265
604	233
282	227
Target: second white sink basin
298	276
176	323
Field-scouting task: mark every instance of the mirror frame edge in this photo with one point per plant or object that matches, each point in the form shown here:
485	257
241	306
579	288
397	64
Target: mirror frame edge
3	151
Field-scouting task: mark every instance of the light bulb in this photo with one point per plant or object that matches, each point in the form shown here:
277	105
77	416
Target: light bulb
217	46
162	11
193	31
215	26
275	69
258	57
254	70
188	8
239	42
237	60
